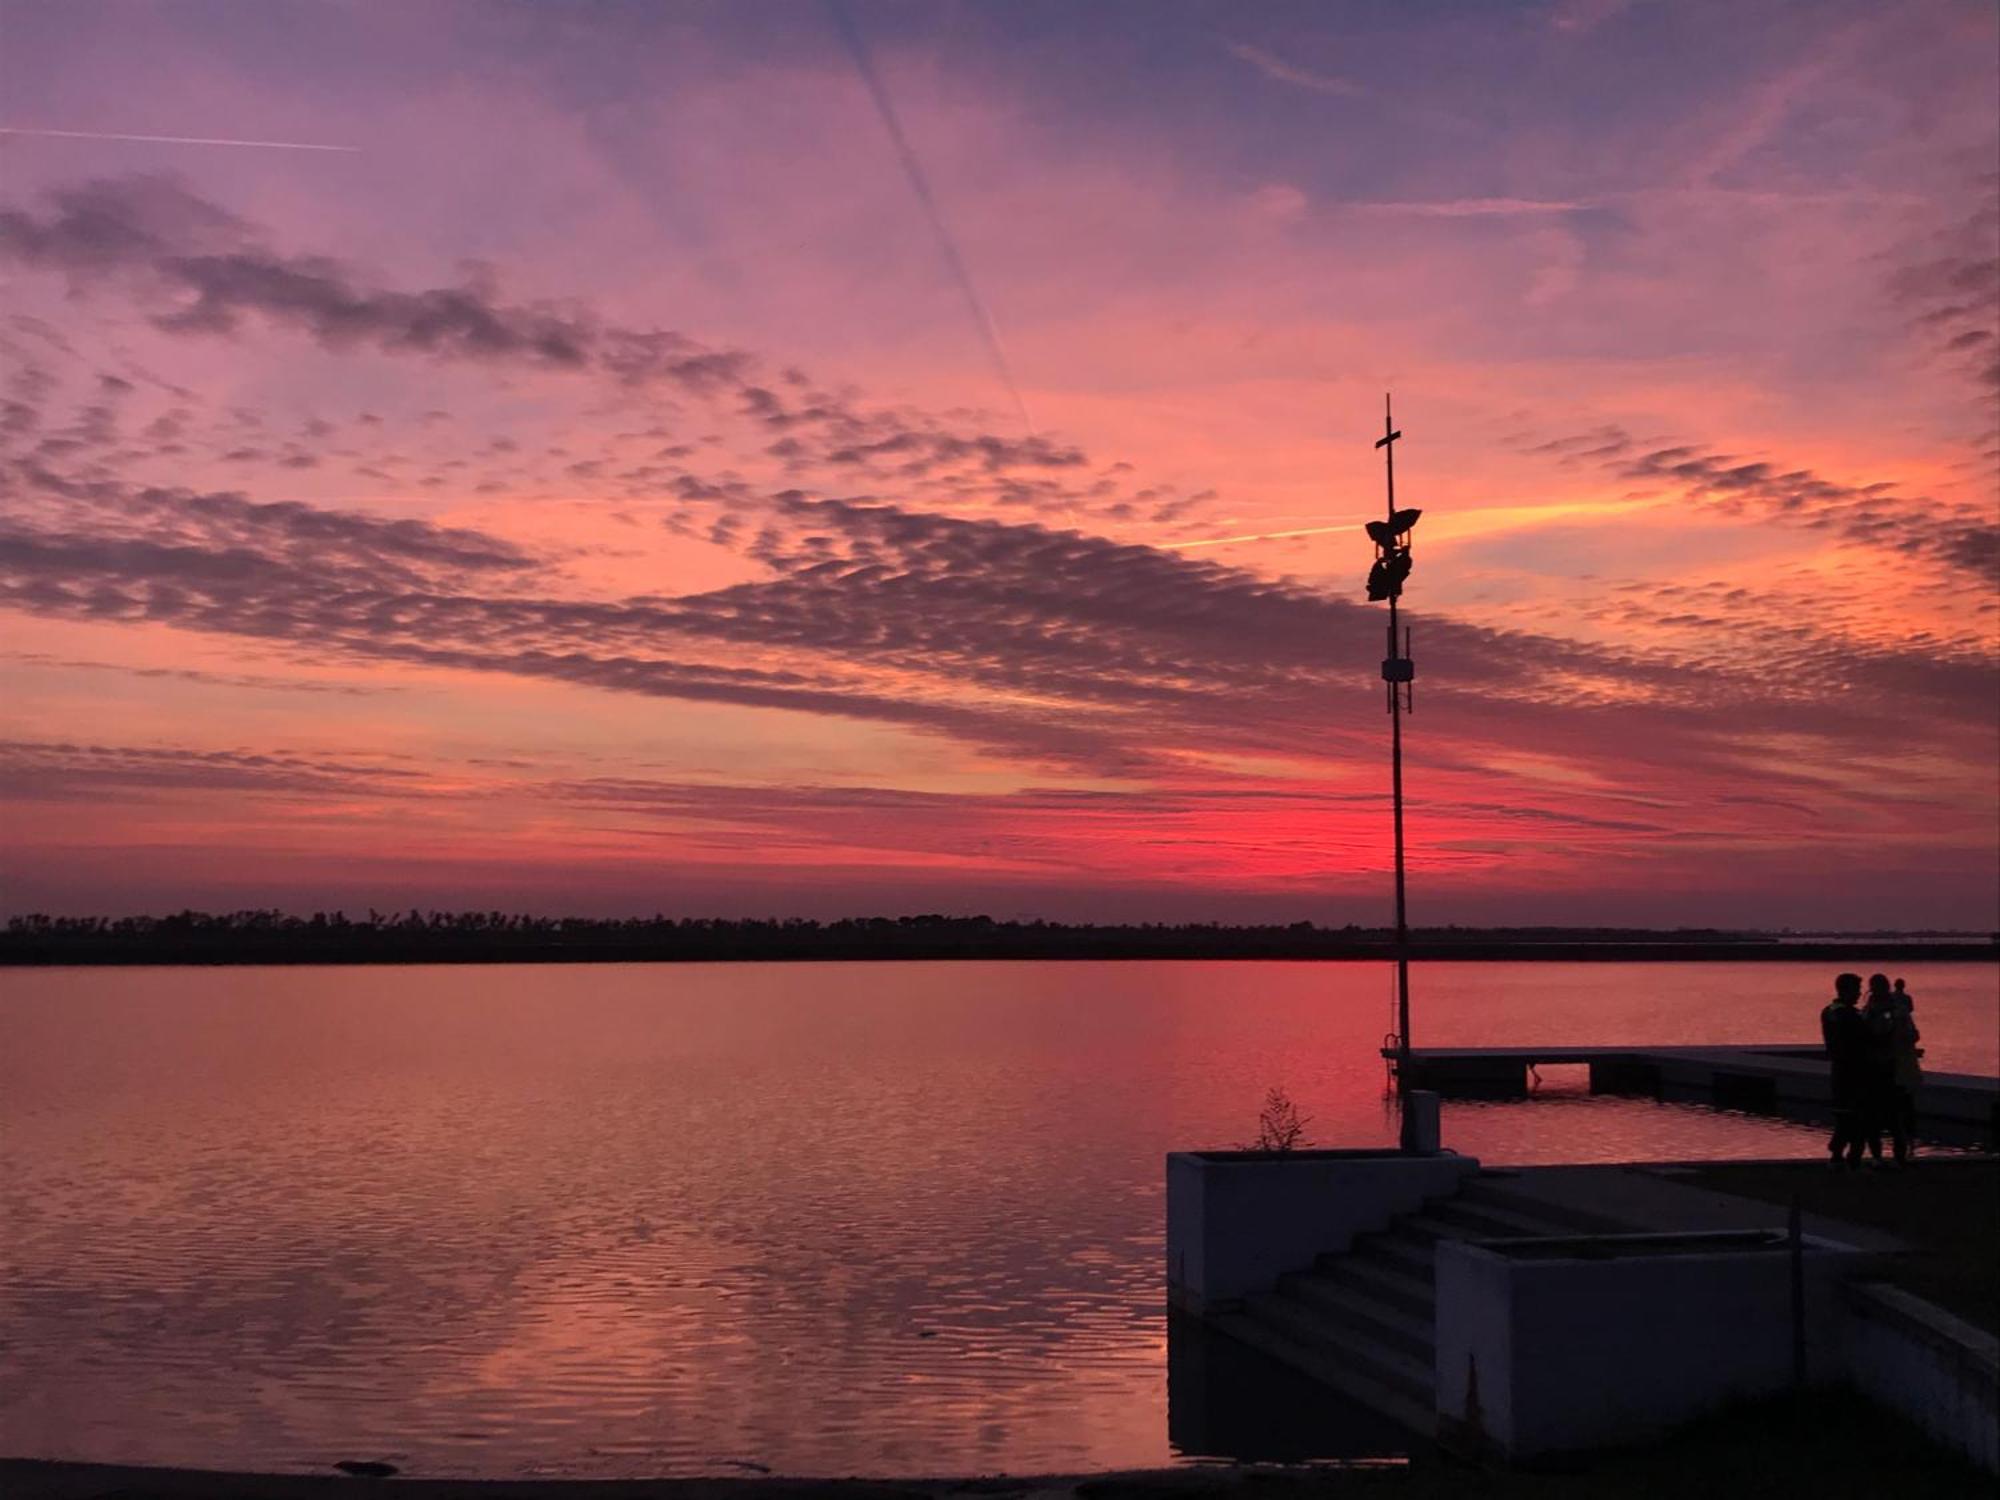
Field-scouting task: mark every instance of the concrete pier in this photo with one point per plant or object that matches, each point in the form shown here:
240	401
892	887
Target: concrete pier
1776	1078
1534	1310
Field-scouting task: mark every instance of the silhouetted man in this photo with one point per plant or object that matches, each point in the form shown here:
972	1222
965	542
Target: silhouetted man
1850	1053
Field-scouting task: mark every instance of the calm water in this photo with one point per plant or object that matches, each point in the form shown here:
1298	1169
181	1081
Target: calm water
827	1219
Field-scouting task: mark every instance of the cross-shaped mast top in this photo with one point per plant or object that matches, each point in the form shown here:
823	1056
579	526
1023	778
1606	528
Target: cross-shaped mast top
1389	436
1389	433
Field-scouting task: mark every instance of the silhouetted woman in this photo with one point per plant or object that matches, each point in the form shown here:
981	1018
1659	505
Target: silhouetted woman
1906	1073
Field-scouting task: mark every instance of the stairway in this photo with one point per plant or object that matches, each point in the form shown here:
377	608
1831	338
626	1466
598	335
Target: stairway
1364	1323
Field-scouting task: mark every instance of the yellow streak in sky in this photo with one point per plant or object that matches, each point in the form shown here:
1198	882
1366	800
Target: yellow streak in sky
1448	524
1256	536
1456	525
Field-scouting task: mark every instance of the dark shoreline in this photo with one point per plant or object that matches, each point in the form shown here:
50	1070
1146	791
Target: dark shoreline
274	938
1856	953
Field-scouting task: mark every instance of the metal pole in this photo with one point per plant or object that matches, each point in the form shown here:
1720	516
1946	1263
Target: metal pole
1396	792
1402	916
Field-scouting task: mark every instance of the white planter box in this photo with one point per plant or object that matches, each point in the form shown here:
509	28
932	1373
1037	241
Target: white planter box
1555	1346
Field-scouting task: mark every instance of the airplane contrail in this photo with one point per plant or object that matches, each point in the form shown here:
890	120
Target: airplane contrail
1259	536
913	169
168	140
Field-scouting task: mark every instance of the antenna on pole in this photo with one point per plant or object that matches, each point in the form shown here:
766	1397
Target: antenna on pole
1391	537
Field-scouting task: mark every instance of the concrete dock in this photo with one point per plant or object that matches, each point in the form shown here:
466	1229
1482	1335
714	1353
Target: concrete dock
1661	1293
1777	1078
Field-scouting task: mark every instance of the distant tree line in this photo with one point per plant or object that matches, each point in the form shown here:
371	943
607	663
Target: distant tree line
276	937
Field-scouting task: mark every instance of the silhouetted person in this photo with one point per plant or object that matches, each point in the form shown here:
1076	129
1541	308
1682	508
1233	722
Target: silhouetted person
1878	1105
1845	1032
1906	1073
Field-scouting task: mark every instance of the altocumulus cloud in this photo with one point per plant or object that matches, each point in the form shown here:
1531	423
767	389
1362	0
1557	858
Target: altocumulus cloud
1040	645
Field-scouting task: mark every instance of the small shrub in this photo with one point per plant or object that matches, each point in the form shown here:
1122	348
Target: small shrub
1280	1126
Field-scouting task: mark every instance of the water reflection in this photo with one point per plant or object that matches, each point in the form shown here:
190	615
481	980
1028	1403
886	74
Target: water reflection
893	1219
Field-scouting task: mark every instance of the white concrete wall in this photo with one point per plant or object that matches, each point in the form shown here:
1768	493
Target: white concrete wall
1936	1369
1237	1221
1474	1349
1575	1353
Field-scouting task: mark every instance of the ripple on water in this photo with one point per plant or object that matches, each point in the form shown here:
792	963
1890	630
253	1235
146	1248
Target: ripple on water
822	1219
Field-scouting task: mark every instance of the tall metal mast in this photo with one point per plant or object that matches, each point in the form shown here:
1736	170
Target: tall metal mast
1385	581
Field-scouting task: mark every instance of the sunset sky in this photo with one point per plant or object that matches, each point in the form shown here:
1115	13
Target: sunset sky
795	458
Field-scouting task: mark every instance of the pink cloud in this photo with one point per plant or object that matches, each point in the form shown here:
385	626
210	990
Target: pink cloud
702	437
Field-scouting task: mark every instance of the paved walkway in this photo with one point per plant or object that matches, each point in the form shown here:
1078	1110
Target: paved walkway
1668	1198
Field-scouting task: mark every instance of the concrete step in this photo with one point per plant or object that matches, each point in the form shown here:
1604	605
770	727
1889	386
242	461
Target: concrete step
1382	1280
1368	1317
1432	1227
1475	1220
1356	1373
1483	1193
1414	1255
1409	1374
